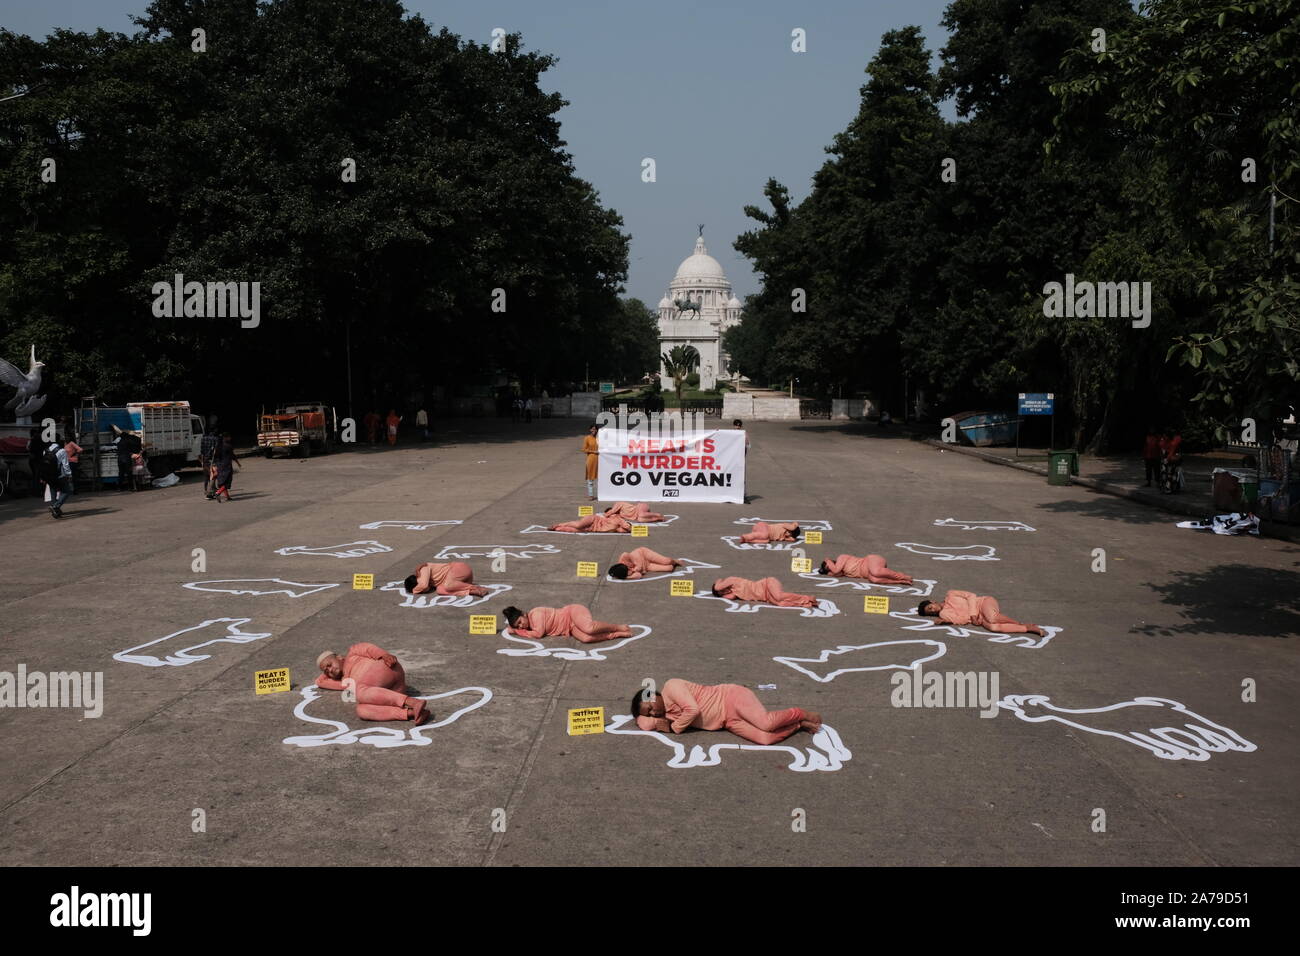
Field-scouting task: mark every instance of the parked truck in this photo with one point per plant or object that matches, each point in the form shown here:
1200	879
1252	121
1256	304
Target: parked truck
170	432
297	429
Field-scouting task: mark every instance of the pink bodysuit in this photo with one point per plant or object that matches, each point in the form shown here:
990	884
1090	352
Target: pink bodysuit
572	620
380	689
963	607
765	591
456	578
641	561
639	512
871	568
595	523
764	532
715	706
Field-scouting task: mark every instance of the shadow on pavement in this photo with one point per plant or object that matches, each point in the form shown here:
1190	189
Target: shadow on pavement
1236	599
1116	509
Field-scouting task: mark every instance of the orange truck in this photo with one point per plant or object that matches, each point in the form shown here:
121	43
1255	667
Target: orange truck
297	430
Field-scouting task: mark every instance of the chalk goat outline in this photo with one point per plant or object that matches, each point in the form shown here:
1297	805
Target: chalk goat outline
377	736
832	756
288	589
565	652
324	550
826	655
1219	740
184	656
947	550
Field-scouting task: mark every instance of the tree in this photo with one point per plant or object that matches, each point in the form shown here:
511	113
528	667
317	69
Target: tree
679	362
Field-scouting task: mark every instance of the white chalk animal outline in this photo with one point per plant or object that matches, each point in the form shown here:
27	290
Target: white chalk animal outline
928	624
938	649
233	635
288	588
414	525
858	584
812	524
566	652
991	525
733	541
524	552
984	552
377	736
543	529
432	599
350	549
824	608
1197	744
690	566
832	756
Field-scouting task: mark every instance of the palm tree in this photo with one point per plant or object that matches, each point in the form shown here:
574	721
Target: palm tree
679	362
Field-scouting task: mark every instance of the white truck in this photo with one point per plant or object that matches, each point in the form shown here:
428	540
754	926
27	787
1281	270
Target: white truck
170	432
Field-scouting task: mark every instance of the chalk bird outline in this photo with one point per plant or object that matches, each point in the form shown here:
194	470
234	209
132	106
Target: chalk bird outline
375	735
352	549
1195	740
826	753
184	656
293	589
935	649
567	652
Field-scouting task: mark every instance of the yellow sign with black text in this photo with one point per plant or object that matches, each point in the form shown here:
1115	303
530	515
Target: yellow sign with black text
482	623
640	530
363	582
584	510
875	604
587	569
681	588
800	565
812	537
271	682
586	720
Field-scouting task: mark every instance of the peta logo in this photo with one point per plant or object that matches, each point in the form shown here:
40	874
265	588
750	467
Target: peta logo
103	909
671	492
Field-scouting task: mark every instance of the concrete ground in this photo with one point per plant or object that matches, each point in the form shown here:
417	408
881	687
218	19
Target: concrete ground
1183	616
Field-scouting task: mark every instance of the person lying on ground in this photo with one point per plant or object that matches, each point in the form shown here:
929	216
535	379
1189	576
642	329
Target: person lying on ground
765	591
641	561
683	705
594	523
964	609
377	679
764	533
455	578
871	568
638	513
572	620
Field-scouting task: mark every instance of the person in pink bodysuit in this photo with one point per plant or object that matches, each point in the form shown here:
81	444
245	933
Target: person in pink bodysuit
641	561
378	681
766	591
964	608
764	533
683	705
638	513
455	578
572	620
872	568
590	523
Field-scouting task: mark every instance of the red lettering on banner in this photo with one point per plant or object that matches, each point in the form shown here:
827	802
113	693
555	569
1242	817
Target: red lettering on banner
629	461
661	461
693	462
636	444
706	462
707	445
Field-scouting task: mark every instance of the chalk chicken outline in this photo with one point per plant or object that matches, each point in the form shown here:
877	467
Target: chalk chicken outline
432	599
992	525
824	608
859	584
1200	741
566	652
691	566
351	549
832	756
543	529
827	654
524	552
928	624
255	592
415	525
945	552
813	524
374	735
181	658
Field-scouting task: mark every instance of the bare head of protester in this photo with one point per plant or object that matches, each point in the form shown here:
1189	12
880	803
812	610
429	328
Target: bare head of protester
618	571
512	615
824	568
795	532
593	429
410	583
643	707
330	664
927	609
737	423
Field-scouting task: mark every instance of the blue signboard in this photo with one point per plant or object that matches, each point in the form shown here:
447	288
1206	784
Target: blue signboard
1037	403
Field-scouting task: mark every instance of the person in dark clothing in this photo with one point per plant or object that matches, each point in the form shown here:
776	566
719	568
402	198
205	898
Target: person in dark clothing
127	446
207	456
1152	452
225	461
35	451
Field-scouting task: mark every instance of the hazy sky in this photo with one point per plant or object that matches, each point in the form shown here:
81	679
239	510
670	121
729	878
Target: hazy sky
711	91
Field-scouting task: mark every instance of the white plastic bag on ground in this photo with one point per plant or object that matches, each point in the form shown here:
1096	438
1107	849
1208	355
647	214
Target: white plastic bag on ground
1225	524
167	481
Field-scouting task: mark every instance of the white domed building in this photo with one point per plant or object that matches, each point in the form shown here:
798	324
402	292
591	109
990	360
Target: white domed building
700	280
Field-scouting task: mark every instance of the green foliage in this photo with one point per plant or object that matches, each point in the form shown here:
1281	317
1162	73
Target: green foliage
678	363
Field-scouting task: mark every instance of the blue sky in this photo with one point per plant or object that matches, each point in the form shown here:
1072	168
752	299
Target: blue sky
711	91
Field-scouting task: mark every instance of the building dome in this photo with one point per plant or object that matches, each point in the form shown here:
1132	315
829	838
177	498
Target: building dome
700	265
665	303
734	303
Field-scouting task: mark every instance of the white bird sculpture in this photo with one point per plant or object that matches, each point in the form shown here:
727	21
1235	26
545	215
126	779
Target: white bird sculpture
28	385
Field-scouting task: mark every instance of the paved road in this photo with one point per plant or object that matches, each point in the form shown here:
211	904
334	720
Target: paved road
1176	615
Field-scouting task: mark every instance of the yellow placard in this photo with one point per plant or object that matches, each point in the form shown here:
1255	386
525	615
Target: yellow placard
681	588
586	720
640	530
586	569
800	565
584	510
272	681
363	582
812	537
482	623
875	604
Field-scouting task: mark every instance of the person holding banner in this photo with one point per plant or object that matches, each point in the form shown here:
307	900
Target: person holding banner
683	705
765	533
640	561
455	578
376	678
593	524
572	620
638	513
871	568
591	448
962	608
765	591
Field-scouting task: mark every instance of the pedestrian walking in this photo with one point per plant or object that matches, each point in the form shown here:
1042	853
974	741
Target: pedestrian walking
207	454
56	474
591	448
422	423
1152	452
225	462
392	422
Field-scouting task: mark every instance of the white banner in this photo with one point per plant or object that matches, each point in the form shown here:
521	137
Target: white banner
685	466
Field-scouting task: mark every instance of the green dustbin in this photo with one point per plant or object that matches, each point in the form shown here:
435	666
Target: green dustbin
1061	465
